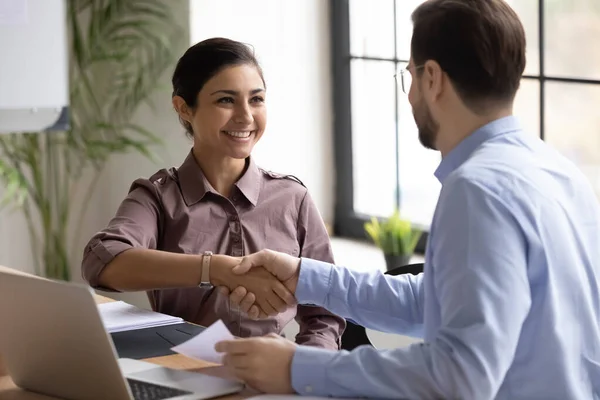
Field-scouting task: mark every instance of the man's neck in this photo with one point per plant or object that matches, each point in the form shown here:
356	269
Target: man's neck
221	172
460	127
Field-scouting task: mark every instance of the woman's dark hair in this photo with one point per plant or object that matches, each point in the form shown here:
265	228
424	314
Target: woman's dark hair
480	44
204	60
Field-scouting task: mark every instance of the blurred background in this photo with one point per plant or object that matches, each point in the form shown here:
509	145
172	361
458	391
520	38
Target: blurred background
337	117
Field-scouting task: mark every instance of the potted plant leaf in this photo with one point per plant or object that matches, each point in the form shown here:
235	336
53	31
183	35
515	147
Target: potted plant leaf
396	237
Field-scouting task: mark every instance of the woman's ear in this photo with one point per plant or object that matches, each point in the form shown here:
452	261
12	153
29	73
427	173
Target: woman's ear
182	108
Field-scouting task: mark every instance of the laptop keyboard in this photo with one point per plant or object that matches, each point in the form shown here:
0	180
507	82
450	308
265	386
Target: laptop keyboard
150	391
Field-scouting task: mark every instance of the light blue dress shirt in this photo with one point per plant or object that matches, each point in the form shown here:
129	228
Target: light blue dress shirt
508	304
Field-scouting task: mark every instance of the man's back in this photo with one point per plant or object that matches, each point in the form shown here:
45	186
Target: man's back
557	212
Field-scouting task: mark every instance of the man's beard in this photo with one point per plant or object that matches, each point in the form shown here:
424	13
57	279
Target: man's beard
427	126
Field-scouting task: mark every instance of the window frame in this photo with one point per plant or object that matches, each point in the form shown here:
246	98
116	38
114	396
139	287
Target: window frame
347	222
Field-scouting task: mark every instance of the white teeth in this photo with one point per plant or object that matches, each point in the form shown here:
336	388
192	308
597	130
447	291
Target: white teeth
244	134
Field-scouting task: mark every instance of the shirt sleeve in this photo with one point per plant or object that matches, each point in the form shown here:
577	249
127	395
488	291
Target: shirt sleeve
480	282
134	225
381	302
318	327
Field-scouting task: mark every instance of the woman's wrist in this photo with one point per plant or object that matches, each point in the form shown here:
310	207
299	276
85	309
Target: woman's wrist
220	267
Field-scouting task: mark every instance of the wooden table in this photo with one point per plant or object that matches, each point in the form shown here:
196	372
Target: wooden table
8	390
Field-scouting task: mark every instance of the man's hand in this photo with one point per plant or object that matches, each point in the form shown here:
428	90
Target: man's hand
264	363
269	293
283	266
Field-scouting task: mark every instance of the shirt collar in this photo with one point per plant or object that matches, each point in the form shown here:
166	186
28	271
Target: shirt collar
461	153
249	184
194	184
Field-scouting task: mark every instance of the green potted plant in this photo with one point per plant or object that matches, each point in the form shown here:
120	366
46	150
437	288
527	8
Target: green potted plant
396	237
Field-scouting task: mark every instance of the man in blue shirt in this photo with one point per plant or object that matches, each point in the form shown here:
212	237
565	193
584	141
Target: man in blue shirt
509	301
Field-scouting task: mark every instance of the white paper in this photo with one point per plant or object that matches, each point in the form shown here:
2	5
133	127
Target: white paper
202	346
13	12
119	316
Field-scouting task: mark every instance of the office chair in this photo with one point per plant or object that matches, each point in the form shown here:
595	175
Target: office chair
355	335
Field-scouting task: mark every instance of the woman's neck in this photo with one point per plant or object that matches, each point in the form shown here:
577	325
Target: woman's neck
221	172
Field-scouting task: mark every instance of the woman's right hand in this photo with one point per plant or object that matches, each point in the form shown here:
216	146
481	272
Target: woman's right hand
269	293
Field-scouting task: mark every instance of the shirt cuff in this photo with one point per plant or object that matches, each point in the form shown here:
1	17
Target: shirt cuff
98	255
313	282
309	370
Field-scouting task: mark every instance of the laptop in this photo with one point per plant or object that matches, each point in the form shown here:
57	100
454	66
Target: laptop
53	342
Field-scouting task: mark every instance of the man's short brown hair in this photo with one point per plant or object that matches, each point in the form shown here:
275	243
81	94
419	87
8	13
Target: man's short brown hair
480	44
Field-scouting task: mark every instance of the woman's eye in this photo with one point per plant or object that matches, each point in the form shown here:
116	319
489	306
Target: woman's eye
225	100
257	99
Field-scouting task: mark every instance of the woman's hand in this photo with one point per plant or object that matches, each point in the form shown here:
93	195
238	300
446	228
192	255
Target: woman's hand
269	294
284	267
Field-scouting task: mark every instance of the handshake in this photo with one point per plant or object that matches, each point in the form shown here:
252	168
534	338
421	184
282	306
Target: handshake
262	284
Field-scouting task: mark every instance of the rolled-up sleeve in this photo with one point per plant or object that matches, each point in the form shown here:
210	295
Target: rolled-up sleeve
136	224
318	327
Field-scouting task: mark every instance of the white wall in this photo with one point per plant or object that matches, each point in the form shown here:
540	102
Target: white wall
291	40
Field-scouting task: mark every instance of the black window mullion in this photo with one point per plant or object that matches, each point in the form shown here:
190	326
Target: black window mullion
344	199
398	192
542	73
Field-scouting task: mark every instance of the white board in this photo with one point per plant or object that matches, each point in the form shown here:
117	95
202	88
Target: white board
34	88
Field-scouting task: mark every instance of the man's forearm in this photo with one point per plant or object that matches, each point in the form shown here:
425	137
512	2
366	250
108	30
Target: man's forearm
389	304
408	373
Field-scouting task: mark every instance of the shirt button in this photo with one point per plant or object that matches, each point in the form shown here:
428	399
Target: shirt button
236	239
308	389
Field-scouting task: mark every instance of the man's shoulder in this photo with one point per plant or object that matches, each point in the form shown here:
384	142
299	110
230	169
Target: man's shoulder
474	187
517	188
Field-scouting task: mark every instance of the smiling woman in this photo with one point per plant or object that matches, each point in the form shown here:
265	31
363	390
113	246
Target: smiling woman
178	234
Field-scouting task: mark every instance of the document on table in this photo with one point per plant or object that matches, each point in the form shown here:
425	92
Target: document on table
119	316
202	346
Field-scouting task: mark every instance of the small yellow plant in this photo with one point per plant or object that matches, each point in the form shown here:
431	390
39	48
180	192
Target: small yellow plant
394	236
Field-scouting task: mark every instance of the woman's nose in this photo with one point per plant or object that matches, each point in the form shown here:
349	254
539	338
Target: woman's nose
243	115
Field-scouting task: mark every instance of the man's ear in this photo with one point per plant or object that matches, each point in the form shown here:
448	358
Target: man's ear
434	78
182	108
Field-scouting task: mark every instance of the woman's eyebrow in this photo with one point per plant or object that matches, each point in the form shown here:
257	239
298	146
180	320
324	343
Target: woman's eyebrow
235	92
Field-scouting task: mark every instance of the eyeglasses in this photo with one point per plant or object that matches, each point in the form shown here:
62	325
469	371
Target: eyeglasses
406	78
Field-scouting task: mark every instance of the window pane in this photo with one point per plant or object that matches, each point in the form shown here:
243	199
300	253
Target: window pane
573	125
373	137
528	11
404	9
372	28
572	33
527	105
419	189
